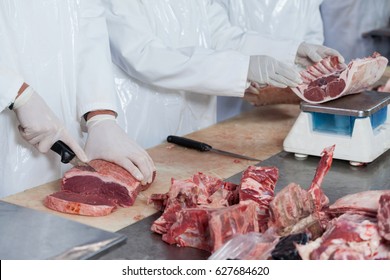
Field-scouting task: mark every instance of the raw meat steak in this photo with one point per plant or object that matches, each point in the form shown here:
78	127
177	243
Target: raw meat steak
95	190
74	203
365	203
328	79
258	184
384	216
107	180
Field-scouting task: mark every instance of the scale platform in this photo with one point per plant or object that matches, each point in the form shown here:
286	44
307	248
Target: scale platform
358	124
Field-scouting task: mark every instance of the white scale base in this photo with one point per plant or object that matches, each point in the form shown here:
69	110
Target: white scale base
364	146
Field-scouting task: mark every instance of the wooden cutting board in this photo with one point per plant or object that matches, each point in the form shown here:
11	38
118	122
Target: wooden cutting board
259	134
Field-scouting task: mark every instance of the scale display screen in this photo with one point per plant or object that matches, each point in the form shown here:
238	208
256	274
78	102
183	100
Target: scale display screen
343	125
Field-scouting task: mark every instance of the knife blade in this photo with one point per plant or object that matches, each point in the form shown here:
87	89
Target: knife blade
203	147
67	154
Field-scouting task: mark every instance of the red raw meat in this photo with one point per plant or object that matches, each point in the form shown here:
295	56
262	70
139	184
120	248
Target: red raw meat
349	237
328	79
96	191
229	221
384	216
293	203
258	184
74	203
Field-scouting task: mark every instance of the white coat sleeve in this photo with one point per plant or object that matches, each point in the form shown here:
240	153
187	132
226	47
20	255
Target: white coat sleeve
227	35
10	84
95	79
144	56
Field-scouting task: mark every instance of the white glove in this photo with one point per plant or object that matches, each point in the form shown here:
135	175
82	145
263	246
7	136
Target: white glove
266	70
39	126
308	54
107	140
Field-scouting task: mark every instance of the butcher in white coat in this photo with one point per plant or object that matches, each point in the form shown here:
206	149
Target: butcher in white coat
60	48
174	57
289	20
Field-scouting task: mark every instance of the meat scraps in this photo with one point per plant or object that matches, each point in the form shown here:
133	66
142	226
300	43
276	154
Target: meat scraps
348	237
95	191
329	79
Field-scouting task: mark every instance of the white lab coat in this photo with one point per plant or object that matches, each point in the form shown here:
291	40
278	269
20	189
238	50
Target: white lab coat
279	19
174	57
345	22
61	49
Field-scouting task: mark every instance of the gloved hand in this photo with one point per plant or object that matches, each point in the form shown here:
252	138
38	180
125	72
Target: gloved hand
308	54
106	140
39	126
266	70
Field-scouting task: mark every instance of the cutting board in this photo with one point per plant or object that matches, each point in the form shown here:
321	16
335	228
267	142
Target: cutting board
259	134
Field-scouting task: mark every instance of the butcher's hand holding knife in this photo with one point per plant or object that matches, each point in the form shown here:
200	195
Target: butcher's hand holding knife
39	125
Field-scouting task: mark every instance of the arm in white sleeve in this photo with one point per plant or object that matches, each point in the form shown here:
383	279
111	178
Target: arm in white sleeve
95	80
228	36
10	84
144	56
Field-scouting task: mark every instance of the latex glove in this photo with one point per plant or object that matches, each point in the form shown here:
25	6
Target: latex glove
39	126
107	140
266	70
308	54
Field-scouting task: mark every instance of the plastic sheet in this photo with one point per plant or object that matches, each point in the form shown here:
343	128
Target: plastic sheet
250	246
280	19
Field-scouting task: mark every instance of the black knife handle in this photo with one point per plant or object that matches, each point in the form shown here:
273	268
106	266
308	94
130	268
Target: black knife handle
63	150
189	143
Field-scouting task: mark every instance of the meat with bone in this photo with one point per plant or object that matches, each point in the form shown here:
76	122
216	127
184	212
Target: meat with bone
95	191
292	204
349	236
384	216
365	203
328	79
258	184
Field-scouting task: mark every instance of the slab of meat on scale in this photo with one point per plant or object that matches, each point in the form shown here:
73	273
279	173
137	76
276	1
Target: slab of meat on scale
329	79
95	191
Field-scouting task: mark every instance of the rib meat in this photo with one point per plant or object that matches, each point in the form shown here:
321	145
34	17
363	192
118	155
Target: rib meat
329	79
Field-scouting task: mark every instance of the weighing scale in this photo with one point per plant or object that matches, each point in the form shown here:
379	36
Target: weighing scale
358	124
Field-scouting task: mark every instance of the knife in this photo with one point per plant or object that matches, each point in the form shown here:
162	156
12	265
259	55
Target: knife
203	147
67	155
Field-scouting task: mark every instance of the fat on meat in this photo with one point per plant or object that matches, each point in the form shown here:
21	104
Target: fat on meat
329	79
95	190
384	216
348	237
365	203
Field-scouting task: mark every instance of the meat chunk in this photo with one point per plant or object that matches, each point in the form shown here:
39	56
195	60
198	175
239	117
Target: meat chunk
384	216
95	190
107	180
365	203
328	79
258	185
80	204
349	237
